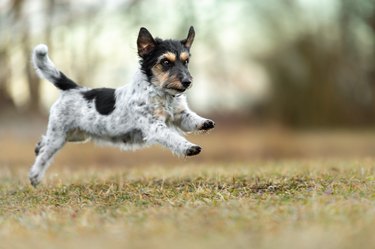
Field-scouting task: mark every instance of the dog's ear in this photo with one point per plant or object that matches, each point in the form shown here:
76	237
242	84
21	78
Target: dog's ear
189	39
145	42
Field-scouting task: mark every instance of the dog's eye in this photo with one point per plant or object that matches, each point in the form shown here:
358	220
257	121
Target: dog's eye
166	63
186	62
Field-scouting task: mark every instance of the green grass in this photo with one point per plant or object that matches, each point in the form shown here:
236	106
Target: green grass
281	204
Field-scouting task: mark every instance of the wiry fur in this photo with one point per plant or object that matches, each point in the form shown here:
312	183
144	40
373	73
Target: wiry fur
142	113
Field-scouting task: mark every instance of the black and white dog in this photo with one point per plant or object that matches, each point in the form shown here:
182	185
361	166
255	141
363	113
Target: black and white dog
151	110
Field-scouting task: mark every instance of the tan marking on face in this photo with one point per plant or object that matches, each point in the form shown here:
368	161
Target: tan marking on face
160	78
169	56
184	56
164	79
173	83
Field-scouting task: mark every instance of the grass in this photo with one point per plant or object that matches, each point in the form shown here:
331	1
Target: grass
264	204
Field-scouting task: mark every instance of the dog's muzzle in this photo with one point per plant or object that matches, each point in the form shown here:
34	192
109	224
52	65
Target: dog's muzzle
186	83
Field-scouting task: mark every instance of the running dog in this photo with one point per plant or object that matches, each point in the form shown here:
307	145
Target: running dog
152	109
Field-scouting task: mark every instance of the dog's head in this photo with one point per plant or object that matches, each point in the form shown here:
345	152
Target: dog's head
165	62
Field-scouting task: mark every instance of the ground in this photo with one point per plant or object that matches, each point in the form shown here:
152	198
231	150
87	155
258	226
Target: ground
250	188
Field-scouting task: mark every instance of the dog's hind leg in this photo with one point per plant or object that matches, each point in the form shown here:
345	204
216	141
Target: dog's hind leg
45	150
38	147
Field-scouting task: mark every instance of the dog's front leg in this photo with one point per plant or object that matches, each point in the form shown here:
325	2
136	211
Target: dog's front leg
188	120
161	134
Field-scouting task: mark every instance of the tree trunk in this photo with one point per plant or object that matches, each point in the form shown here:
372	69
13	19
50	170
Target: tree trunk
33	81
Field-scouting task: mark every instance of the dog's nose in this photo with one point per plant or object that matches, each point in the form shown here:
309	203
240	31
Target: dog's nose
186	82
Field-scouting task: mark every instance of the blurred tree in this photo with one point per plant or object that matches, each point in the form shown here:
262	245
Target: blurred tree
6	101
323	76
17	34
33	82
321	66
21	26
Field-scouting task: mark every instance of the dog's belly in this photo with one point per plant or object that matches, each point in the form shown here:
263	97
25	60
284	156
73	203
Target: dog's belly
77	135
131	139
133	136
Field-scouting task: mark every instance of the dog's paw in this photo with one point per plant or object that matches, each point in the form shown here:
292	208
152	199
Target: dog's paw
207	125
34	179
193	150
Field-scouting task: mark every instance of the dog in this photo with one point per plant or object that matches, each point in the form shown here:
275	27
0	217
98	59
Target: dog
152	109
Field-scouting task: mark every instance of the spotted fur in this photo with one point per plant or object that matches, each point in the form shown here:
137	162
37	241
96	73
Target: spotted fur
152	109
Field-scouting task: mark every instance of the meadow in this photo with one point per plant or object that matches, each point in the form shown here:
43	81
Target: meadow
248	189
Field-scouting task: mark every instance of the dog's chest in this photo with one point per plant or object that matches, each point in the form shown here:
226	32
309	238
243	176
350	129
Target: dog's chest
163	108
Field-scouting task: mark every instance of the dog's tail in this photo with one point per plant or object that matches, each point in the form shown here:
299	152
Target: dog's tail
46	69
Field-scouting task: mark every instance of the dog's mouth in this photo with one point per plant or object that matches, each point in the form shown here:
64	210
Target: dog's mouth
175	91
179	88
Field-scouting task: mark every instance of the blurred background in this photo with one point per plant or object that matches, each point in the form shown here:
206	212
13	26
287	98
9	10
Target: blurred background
285	78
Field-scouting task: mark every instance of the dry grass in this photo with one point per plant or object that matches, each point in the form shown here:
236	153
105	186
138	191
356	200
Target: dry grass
267	204
250	188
